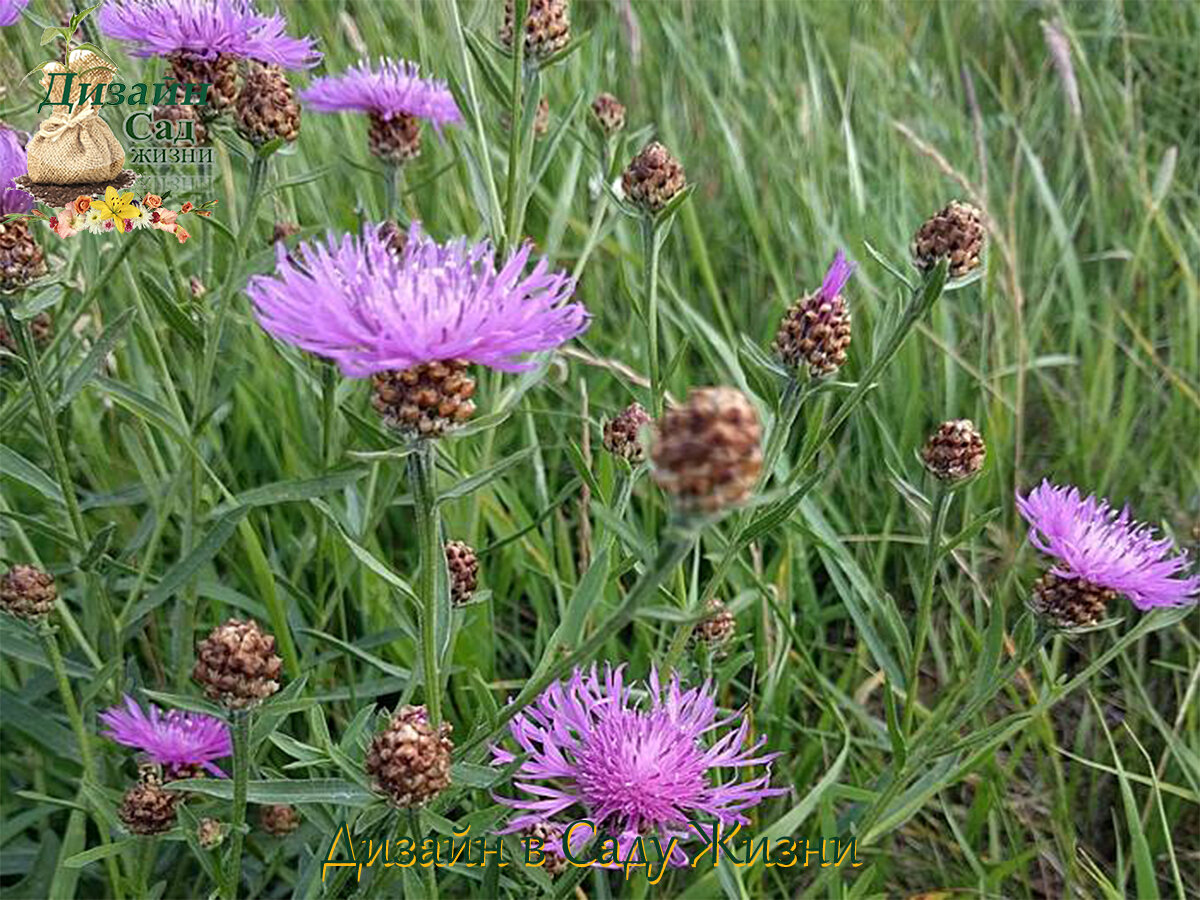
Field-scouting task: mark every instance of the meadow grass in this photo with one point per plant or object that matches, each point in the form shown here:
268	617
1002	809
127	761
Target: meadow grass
1034	765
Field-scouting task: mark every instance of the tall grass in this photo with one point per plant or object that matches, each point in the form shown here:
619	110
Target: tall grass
1034	766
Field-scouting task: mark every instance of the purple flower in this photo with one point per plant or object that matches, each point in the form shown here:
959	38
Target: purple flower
394	88
206	27
10	12
1095	542
12	165
837	276
373	309
175	740
631	767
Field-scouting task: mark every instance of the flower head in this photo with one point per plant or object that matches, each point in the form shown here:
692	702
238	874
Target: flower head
10	11
207	28
116	206
357	301
1106	548
388	89
12	165
82	203
632	767
175	739
93	220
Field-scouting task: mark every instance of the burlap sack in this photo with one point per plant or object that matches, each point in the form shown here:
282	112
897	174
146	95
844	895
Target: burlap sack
71	148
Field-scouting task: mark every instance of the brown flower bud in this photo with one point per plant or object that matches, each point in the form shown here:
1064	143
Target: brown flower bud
815	332
653	178
210	833
237	664
609	113
1069	602
410	759
21	259
395	140
717	627
147	809
957	232
427	400
623	434
394	236
463	566
547	27
221	72
553	863
266	107
279	819
707	452
27	593
955	451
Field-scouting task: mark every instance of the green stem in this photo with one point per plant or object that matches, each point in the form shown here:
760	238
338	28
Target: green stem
512	198
237	820
937	521
83	738
421	482
650	248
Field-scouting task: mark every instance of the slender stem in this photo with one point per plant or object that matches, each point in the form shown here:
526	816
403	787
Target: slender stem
237	820
145	864
420	477
650	248
391	193
87	761
941	503
414	824
512	197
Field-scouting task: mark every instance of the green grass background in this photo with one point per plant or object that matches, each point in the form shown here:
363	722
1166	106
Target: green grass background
805	127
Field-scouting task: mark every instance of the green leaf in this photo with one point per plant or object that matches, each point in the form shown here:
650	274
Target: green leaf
587	596
179	320
52	33
479	479
291	490
364	555
316	790
79	860
94	359
14	465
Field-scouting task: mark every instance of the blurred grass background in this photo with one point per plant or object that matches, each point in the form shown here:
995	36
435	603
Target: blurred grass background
805	128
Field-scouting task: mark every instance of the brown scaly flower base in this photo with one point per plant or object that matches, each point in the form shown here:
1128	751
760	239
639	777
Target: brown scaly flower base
653	178
409	759
956	232
221	73
815	332
279	819
41	327
21	258
463	567
1070	602
955	451
147	809
622	434
180	113
266	107
27	593
427	400
396	140
237	664
547	27
718	627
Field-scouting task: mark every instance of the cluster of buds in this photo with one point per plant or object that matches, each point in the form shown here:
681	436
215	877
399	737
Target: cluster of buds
426	400
410	759
957	233
653	179
623	434
28	593
955	451
707	452
237	664
463	566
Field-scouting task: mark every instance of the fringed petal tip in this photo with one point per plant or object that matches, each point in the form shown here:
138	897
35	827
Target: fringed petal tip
837	276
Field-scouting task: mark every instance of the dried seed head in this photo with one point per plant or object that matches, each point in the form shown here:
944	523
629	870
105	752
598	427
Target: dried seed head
27	593
237	664
427	400
409	759
551	836
1069	602
958	233
609	113
147	809
622	435
653	178
717	627
21	259
547	27
463	566
955	451
221	72
266	107
815	333
707	452
396	140
178	113
41	328
210	833
279	819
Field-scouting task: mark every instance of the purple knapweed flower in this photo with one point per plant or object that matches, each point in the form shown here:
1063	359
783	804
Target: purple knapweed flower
837	275
10	11
393	88
1108	548
12	165
359	301
177	740
207	28
633	768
